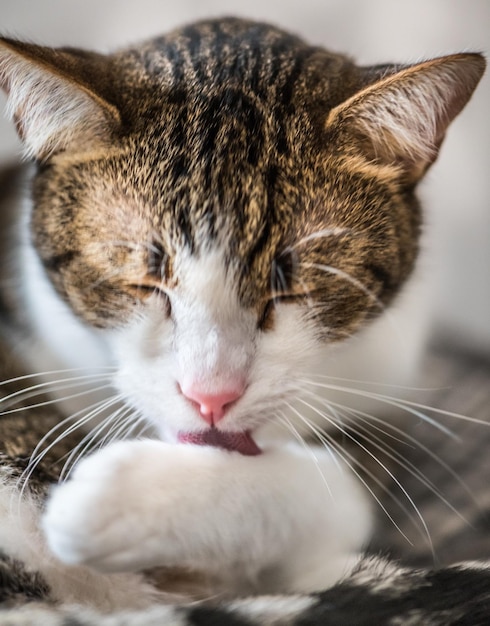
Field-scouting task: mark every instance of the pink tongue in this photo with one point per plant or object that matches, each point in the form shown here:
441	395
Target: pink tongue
237	442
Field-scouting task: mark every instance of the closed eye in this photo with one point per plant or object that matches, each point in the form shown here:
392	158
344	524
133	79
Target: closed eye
282	272
266	319
289	298
143	292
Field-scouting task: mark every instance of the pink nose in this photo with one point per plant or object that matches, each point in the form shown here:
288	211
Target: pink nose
212	407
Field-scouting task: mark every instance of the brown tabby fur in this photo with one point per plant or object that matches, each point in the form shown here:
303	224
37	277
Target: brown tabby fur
227	134
175	166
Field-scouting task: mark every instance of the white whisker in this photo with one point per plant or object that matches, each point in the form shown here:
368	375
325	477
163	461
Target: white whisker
367	418
397	458
405	405
56	400
39	452
53	372
308	449
349	436
52	386
350	279
350	460
93	435
373	383
336	231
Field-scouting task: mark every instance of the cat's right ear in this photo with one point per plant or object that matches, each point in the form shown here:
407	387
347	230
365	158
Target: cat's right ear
53	100
401	119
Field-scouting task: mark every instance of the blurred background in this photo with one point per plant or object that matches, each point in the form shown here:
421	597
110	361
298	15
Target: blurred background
456	191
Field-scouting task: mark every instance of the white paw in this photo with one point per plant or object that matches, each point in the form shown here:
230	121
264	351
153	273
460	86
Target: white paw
116	512
135	505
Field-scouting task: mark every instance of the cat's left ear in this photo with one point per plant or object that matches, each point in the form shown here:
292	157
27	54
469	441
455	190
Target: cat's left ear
402	118
56	98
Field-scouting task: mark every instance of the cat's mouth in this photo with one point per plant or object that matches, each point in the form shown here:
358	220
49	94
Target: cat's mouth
241	442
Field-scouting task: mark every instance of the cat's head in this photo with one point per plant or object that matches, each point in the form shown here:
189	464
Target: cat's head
226	201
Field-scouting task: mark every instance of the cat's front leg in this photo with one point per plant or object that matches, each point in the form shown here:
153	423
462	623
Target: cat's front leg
136	505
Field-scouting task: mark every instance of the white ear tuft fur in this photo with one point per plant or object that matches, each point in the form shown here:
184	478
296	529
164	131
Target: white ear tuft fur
402	118
52	111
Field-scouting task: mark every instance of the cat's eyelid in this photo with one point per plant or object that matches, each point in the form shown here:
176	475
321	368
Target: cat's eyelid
287	296
150	288
156	291
283	271
157	260
265	321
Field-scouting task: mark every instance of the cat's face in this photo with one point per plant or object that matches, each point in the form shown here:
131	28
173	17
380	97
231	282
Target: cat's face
227	290
241	211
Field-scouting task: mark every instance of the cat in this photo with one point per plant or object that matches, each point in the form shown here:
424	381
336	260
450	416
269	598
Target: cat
220	220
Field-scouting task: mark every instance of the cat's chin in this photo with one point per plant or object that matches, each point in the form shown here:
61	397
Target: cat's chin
241	442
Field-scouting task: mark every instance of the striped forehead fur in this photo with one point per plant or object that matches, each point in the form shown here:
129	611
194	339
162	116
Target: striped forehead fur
236	136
